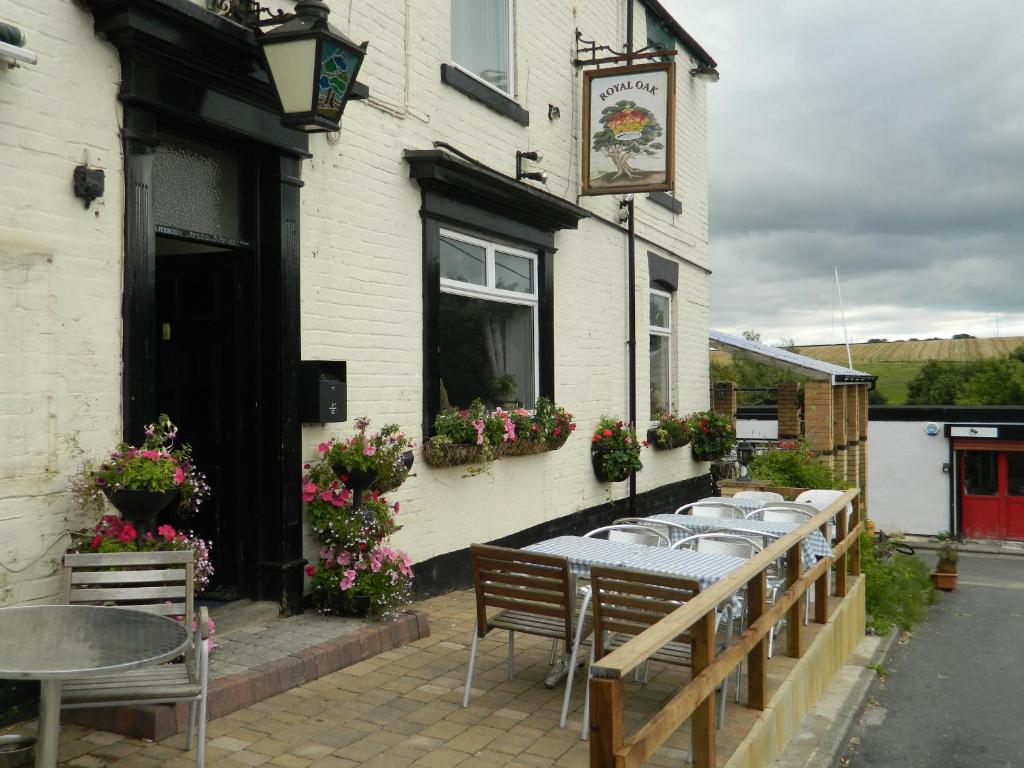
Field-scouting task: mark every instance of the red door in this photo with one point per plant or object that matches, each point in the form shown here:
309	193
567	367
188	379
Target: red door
992	494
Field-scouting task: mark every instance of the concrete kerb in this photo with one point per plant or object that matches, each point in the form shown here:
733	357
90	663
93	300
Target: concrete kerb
819	741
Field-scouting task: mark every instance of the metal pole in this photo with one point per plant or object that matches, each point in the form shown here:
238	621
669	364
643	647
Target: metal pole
631	277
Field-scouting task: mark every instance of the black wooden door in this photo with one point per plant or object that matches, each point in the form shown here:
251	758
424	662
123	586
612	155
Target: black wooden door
208	383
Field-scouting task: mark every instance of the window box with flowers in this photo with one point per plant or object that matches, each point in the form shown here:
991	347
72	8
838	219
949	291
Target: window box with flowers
356	573
476	436
712	435
670	432
614	451
141	482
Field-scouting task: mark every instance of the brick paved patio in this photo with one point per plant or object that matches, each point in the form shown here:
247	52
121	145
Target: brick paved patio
403	708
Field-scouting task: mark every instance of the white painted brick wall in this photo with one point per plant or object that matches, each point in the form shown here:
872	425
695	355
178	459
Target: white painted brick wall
61	267
60	285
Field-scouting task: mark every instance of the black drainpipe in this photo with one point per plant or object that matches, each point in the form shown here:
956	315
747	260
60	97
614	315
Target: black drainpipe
631	278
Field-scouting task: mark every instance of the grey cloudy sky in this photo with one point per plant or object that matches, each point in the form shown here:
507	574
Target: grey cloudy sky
885	138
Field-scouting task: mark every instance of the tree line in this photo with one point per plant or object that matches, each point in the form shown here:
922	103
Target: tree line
989	381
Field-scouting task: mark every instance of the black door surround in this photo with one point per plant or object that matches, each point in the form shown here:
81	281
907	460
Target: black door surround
185	66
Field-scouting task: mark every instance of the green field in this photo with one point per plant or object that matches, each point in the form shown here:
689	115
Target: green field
892	378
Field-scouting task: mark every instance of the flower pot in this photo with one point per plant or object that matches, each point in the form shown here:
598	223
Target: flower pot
652	439
142	507
597	460
944	581
440	454
701	456
16	750
357	606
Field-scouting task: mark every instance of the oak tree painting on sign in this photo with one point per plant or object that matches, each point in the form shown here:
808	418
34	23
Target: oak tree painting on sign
628	123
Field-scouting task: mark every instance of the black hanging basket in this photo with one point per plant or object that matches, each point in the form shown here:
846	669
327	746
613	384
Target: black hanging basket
597	461
142	507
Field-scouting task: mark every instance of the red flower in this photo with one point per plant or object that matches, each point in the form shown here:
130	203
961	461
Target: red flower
572	427
607	433
167	532
127	533
595	438
310	570
644	443
96	540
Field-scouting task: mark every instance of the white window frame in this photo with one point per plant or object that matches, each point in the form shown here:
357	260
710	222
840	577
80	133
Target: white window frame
666	332
490	292
510	64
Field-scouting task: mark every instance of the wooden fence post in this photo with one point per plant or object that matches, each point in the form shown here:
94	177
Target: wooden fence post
757	659
702	724
795	615
607	705
855	549
842	530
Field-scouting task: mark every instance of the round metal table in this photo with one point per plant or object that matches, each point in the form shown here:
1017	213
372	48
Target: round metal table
51	643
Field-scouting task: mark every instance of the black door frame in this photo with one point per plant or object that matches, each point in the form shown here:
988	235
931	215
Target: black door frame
182	63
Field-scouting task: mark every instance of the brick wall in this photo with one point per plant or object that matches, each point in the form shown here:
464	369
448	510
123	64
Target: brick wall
60	285
789	410
61	268
818	425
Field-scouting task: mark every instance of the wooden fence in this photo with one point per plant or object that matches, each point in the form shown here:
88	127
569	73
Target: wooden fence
611	747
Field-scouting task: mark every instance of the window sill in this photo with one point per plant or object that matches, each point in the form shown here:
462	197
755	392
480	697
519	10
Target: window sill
489	97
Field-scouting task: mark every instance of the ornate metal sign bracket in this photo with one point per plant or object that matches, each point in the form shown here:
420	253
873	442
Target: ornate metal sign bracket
587	50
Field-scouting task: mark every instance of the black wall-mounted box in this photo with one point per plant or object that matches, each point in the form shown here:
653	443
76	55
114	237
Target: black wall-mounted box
324	394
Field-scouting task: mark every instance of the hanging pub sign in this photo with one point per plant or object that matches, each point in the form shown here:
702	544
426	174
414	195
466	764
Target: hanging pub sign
628	129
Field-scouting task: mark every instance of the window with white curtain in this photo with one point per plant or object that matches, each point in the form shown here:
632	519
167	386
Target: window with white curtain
661	351
487	324
482	40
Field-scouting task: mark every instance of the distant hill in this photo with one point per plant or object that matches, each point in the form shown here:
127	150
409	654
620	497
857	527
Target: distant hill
895	363
915	351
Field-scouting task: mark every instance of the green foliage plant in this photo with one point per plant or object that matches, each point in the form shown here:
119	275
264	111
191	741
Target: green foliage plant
797	468
671	432
898	589
156	466
712	435
617	447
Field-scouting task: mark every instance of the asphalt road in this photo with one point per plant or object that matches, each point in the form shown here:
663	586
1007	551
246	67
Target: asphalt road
954	695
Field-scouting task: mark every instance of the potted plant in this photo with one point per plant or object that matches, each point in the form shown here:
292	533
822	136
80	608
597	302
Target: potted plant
142	482
944	576
670	432
114	534
614	451
459	438
502	389
712	435
356	574
380	461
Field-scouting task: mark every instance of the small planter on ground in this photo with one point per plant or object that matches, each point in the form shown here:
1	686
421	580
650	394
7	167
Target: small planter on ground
944	576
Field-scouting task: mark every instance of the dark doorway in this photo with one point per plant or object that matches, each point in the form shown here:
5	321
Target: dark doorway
208	363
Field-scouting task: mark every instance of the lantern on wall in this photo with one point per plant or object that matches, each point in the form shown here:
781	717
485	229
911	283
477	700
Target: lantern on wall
312	66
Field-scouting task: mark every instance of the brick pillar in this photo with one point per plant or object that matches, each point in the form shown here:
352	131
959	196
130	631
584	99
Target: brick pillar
862	454
789	410
725	400
839	429
853	394
818	418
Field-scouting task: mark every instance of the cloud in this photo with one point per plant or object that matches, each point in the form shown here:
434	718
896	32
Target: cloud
883	138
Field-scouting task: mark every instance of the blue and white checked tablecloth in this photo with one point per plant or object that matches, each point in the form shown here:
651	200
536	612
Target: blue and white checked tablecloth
745	503
584	552
811	548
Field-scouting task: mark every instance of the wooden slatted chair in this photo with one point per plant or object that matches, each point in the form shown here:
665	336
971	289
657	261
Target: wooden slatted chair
626	602
156	582
534	594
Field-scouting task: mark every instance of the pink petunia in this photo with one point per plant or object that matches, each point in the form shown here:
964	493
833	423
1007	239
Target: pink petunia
308	492
166	532
323	447
179	475
369	450
326	495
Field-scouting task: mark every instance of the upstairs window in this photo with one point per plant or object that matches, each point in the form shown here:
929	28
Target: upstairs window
487	322
482	40
661	352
